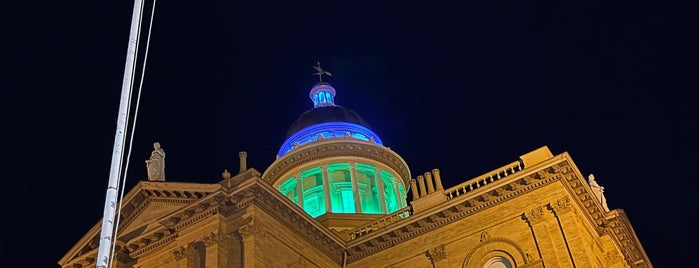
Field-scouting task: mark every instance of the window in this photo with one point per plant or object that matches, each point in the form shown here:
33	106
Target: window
313	197
389	193
498	262
341	194
368	189
288	189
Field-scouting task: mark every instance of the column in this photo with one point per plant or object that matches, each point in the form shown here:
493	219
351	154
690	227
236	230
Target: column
189	255
212	244
326	187
247	237
382	197
299	190
355	187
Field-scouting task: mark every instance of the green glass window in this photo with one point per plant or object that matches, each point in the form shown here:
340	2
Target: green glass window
313	198
341	194
368	189
402	197
392	201
288	189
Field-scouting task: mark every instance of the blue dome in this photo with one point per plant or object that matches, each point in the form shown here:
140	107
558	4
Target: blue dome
326	120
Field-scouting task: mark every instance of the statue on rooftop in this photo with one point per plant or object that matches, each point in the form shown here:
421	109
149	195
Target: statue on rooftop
598	191
156	164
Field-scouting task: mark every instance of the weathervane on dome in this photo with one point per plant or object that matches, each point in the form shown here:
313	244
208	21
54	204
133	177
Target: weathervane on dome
320	72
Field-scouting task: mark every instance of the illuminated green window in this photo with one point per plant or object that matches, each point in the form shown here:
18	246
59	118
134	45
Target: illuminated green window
402	199
313	197
392	201
288	189
368	189
341	194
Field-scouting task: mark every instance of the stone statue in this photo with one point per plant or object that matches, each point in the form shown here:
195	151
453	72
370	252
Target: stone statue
598	191
156	164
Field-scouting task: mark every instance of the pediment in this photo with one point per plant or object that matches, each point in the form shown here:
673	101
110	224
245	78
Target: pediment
143	207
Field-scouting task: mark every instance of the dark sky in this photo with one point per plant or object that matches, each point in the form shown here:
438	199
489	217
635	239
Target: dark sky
464	87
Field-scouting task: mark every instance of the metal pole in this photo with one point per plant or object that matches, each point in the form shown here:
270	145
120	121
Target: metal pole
110	202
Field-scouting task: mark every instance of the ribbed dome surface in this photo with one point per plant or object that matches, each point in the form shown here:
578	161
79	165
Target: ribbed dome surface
325	115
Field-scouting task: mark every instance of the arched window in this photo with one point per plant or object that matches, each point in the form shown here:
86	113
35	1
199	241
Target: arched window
498	262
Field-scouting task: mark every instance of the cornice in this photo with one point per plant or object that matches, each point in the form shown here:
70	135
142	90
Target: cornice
619	228
324	149
170	226
142	196
368	241
457	209
270	201
253	192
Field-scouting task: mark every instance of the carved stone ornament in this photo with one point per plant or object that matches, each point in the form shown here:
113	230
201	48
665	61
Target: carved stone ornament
210	239
484	236
534	215
562	205
250	230
437	254
179	253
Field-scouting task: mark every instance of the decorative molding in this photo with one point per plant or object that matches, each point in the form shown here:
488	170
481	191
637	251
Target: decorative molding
275	207
145	196
211	239
500	244
620	230
534	216
577	187
251	230
336	148
560	206
484	236
613	257
437	254
179	253
191	251
462	207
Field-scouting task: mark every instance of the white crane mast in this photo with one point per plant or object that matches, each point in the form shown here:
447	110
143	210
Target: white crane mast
105	241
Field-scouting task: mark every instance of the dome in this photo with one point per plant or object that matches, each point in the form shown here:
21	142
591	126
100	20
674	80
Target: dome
324	115
326	120
335	168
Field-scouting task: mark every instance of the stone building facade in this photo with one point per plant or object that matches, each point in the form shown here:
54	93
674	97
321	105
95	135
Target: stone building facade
336	197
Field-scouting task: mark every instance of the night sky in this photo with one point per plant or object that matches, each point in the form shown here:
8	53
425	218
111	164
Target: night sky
464	87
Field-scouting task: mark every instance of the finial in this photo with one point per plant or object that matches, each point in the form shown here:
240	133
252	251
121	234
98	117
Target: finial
225	174
243	161
320	72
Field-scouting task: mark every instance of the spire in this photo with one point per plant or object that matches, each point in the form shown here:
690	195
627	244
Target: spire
322	94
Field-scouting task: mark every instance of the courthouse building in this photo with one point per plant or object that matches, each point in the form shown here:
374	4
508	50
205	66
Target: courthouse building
337	197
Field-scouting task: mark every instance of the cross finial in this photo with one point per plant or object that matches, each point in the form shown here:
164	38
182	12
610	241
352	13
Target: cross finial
320	72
